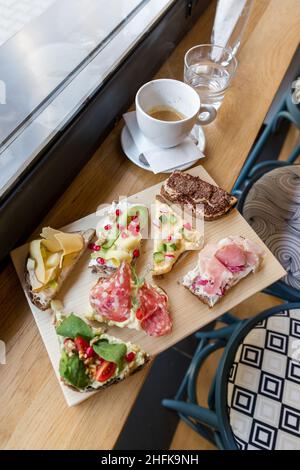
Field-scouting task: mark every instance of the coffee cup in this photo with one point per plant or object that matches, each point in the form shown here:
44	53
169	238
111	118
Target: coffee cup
166	98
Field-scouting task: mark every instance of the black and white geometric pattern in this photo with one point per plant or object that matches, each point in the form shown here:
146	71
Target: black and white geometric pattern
263	393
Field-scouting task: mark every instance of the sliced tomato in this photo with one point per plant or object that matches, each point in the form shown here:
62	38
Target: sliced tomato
81	344
105	371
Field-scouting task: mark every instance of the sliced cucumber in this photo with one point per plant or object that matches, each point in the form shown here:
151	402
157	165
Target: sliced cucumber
173	219
163	219
109	243
171	247
141	212
158	257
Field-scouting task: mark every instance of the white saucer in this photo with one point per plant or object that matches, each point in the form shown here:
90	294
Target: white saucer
131	151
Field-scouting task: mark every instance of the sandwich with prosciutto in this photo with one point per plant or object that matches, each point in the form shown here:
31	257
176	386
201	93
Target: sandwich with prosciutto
91	359
220	266
125	300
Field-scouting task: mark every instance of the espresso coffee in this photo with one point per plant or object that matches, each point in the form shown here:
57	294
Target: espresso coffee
165	113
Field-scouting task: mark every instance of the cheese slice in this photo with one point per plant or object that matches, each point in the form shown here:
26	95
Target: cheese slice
172	237
50	251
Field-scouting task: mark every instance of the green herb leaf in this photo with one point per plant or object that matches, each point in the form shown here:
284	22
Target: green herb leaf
72	370
138	281
112	352
73	326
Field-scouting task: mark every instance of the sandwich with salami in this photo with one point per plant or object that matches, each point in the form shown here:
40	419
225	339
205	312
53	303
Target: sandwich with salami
125	300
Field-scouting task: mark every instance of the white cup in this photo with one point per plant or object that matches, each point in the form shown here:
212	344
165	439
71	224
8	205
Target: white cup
172	94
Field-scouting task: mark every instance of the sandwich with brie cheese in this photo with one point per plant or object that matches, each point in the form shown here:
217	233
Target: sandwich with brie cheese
50	260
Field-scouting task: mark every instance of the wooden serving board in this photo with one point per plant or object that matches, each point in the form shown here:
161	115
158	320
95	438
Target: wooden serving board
189	314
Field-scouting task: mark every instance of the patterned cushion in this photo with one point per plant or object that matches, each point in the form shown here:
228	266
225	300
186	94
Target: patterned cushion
272	207
263	392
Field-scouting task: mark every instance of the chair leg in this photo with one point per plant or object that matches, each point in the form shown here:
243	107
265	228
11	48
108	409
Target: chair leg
228	318
205	416
267	166
201	429
221	333
196	365
280	116
294	154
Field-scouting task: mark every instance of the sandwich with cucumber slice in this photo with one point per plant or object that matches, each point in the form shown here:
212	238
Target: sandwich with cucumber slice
90	358
118	237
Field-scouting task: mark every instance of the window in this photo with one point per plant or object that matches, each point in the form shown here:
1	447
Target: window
54	55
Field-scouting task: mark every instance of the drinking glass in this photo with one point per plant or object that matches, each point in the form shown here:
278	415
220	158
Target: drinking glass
209	69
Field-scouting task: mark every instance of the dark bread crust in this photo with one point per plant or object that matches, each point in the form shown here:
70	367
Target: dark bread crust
203	299
111	382
103	271
188	191
34	297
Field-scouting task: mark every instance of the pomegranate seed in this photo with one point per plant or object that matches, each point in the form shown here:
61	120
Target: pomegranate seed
130	356
124	235
169	238
91	246
136	253
118	212
90	352
134	217
139	314
107	227
101	260
187	226
97	248
137	228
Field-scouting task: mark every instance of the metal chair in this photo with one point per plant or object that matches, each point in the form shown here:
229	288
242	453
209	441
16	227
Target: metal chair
259	198
286	110
254	399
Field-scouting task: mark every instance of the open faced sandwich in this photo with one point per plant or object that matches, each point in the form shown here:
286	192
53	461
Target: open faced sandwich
172	237
201	197
118	237
91	359
125	300
220	266
50	260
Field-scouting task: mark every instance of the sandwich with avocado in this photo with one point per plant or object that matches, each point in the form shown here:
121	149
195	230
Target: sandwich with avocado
118	237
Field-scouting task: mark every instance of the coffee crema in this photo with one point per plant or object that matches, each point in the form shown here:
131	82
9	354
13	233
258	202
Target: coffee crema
165	113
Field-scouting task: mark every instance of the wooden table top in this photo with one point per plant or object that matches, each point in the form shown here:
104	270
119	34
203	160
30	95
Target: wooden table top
33	414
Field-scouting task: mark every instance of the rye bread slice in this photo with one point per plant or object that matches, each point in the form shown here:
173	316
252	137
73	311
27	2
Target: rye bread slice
113	381
35	297
188	191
